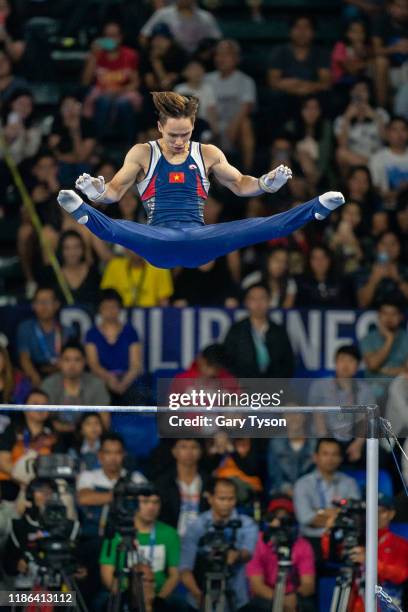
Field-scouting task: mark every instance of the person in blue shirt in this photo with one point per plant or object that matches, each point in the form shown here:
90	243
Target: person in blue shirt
222	500
172	180
112	347
40	339
385	348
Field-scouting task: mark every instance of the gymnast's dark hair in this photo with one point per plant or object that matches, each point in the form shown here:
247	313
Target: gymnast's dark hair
169	104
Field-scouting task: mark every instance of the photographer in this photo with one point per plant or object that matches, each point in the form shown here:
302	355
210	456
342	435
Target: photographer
315	493
392	552
279	538
158	546
27	531
222	500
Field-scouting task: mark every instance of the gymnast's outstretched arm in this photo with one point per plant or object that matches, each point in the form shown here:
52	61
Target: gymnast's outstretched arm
241	184
95	188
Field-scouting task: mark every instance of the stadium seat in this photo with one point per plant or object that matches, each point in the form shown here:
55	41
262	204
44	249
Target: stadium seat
400	529
384	480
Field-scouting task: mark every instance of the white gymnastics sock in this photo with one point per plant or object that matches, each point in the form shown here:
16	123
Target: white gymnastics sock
70	202
330	200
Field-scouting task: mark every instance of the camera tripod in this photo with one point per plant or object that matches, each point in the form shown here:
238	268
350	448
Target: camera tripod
284	565
217	593
52	581
342	590
134	598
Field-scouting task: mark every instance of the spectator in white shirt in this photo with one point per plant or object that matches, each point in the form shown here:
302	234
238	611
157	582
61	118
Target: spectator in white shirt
235	93
188	24
389	166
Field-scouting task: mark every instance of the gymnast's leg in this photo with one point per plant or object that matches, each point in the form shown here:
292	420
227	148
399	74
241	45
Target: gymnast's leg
158	245
211	241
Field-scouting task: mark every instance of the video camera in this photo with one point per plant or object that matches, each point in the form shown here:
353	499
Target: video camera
282	537
55	551
348	530
213	548
124	505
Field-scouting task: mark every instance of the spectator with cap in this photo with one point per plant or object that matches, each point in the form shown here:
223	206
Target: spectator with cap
262	569
392	553
188	24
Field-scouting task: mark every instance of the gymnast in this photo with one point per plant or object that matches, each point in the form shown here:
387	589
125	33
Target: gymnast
171	175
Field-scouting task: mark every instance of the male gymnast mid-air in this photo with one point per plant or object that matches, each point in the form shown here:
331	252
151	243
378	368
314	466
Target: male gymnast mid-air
172	179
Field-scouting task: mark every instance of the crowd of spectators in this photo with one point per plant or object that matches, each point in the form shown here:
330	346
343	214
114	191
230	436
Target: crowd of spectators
338	116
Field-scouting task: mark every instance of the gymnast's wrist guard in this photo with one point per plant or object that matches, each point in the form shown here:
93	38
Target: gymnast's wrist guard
99	196
263	184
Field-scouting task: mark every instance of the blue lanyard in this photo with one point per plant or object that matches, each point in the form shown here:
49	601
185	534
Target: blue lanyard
324	502
43	344
152	544
322	495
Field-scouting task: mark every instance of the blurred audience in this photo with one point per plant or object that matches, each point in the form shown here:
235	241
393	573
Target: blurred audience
188	24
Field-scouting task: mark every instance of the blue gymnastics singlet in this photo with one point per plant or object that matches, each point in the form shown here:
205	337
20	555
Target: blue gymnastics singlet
174	193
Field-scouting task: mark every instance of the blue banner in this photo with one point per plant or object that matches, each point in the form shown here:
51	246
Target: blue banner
171	337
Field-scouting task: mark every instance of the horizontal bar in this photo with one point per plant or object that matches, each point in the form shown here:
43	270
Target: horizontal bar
189	409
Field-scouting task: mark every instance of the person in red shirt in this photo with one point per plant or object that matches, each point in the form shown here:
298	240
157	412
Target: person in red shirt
206	372
112	69
392	554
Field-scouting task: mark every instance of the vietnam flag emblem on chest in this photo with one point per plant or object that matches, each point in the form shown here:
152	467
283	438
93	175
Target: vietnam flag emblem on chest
176	177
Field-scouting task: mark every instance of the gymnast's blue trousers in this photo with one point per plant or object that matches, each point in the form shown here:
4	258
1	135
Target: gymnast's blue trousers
192	245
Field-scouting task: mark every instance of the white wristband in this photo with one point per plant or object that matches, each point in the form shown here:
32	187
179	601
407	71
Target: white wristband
263	185
99	197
